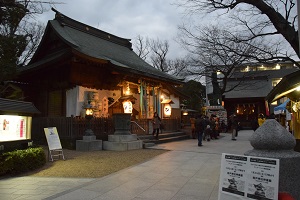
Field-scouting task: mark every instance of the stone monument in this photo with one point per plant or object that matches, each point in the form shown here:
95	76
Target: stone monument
122	139
272	140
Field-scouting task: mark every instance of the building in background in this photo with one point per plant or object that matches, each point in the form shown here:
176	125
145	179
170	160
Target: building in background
248	87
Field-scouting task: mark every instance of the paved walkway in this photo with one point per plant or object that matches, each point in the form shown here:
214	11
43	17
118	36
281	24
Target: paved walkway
186	172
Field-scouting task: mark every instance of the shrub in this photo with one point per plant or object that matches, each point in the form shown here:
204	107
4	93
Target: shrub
22	160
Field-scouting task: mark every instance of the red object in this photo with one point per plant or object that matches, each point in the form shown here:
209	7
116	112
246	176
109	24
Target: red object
285	196
21	128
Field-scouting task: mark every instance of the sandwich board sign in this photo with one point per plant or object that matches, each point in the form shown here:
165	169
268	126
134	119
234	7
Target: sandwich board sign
248	177
53	141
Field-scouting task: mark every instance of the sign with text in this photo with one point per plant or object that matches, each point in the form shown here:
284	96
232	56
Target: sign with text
52	138
247	177
13	128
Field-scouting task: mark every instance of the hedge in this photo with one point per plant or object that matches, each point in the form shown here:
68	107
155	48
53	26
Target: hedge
19	161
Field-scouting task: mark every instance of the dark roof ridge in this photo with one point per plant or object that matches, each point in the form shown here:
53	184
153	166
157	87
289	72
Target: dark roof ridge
67	21
9	106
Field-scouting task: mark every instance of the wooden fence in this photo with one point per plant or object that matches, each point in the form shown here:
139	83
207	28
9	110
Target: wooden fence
72	129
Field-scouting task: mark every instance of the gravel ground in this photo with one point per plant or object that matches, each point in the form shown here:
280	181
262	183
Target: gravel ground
94	164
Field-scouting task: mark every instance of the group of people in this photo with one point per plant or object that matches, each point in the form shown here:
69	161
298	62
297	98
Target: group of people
205	128
208	128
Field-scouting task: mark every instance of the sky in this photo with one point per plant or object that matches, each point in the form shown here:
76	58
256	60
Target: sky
126	18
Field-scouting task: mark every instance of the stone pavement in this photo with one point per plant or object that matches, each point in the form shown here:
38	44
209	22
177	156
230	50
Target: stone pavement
186	172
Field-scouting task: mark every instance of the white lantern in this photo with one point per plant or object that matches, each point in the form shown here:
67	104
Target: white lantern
167	110
127	105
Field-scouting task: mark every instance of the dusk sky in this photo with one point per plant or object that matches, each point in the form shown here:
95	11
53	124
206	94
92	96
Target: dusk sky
127	18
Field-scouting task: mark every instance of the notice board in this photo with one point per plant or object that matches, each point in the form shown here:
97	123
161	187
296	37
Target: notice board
52	138
247	177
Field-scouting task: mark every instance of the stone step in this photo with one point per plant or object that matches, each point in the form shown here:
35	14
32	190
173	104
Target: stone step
149	140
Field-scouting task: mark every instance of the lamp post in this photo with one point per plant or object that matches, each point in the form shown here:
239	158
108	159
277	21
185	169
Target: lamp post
89	116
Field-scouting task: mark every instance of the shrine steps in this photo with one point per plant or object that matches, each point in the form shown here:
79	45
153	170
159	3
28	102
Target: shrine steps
149	140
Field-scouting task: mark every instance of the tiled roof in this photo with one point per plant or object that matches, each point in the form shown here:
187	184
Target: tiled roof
98	44
8	106
256	87
250	89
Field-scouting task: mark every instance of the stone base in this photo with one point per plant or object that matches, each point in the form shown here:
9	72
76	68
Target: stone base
122	143
88	145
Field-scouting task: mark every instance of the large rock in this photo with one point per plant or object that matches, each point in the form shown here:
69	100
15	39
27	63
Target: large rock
272	140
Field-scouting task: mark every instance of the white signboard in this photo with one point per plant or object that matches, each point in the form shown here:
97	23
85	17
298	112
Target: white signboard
52	138
247	177
14	128
233	179
263	178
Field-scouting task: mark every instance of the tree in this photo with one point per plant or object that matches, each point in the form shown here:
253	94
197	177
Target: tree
158	50
19	37
196	91
141	47
178	67
218	50
259	18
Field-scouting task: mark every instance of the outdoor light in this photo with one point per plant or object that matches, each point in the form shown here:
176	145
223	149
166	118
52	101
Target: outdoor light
89	116
127	105
185	112
88	113
127	92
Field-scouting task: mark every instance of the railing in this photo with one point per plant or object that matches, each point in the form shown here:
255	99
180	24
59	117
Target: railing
72	129
134	122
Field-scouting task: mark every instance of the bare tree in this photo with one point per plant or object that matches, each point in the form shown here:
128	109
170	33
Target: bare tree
141	47
217	50
178	67
259	18
159	50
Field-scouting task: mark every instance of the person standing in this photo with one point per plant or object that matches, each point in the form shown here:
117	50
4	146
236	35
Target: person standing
156	121
193	120
199	129
254	124
261	119
234	126
206	129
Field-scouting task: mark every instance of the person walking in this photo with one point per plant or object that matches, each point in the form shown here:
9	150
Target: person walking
199	129
156	121
234	126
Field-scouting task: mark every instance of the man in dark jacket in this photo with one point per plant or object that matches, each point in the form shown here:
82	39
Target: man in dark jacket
234	127
199	129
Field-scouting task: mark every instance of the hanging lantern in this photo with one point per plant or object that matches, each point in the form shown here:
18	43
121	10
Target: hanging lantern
127	105
167	110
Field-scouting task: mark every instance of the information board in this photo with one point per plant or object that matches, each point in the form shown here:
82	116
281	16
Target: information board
14	128
52	138
247	177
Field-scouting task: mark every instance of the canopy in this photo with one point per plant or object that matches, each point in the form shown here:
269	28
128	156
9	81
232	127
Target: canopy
281	108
